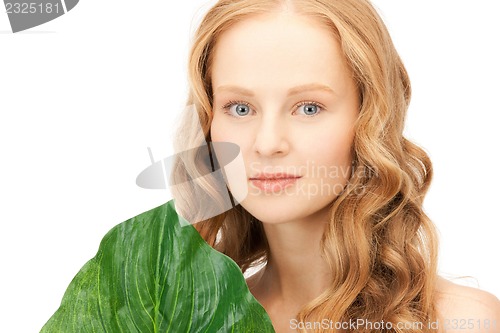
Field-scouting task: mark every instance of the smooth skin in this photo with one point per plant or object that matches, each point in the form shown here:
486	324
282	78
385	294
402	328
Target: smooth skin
284	94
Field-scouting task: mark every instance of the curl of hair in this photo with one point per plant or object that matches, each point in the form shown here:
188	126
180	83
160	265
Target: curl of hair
380	245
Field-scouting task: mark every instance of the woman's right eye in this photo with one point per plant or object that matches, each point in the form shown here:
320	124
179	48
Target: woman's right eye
238	109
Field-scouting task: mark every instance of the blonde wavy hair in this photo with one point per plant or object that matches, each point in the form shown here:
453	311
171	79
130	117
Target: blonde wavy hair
380	245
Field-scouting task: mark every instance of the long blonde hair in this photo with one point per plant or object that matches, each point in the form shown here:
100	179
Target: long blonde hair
380	245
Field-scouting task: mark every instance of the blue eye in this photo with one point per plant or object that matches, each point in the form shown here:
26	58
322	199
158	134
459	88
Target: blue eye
242	109
237	109
309	109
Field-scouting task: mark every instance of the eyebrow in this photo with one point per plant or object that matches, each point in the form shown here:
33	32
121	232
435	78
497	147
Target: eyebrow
291	91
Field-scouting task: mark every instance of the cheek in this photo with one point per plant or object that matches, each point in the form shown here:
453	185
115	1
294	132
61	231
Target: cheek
329	146
221	131
331	169
234	171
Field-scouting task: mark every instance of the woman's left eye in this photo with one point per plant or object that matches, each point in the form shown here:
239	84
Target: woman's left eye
309	109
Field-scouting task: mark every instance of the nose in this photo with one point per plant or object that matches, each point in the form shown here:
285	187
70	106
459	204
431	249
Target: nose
271	138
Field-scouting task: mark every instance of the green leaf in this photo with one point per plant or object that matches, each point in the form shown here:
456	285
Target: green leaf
152	275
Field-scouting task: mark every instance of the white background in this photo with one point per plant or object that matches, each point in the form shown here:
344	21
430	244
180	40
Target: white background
83	96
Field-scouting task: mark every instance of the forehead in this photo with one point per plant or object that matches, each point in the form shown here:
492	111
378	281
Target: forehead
278	49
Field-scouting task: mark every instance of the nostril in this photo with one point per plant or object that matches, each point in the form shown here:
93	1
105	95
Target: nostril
270	146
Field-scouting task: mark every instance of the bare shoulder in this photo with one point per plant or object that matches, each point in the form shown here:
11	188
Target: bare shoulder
466	309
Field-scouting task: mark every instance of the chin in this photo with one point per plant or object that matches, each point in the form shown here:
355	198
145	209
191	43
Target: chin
283	209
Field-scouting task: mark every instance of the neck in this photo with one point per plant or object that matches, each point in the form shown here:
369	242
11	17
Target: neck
296	272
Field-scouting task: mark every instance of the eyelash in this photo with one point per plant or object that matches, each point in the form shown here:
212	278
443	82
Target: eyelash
321	108
228	105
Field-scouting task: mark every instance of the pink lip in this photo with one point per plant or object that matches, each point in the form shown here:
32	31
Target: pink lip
273	182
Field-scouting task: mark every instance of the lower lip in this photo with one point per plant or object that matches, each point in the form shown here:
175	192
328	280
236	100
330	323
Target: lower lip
273	185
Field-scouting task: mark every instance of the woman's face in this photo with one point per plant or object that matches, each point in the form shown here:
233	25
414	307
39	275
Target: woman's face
284	94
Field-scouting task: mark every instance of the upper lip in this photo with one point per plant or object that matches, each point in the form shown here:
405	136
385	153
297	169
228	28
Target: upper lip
270	176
